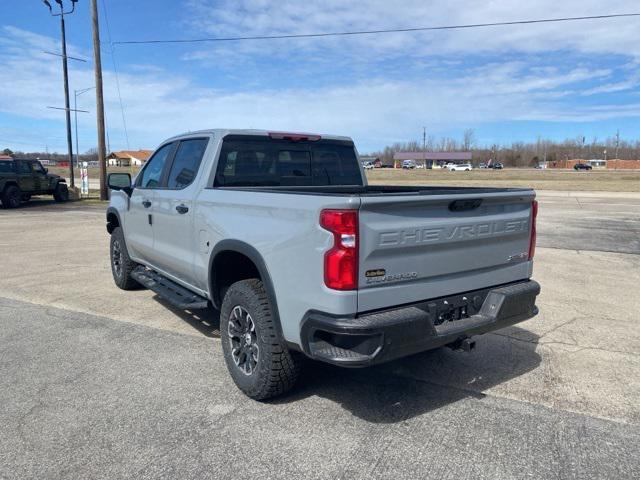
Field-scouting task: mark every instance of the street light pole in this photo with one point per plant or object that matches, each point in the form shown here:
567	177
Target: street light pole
76	94
66	78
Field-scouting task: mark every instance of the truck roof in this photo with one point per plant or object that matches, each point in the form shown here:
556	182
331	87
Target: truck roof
222	132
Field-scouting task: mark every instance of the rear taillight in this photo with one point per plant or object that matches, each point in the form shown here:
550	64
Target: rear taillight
341	262
532	240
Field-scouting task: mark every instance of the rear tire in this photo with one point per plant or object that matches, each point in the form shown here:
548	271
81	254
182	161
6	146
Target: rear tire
121	264
11	197
257	358
61	192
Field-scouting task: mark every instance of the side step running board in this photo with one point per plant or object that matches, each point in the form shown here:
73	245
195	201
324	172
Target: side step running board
175	294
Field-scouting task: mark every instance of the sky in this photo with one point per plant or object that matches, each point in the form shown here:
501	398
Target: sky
515	83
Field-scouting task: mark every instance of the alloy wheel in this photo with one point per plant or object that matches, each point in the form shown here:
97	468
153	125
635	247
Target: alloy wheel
243	340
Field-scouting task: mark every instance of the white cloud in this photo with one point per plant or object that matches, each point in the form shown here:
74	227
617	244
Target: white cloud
262	17
374	108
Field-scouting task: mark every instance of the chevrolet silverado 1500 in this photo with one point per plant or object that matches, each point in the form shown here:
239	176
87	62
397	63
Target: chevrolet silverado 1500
282	234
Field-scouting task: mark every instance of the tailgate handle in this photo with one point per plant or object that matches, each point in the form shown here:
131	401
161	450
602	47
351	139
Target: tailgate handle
463	205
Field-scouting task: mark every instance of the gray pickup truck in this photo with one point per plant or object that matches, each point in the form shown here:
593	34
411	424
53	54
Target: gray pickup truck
282	234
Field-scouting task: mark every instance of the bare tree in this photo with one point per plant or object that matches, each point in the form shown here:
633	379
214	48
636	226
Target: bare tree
468	139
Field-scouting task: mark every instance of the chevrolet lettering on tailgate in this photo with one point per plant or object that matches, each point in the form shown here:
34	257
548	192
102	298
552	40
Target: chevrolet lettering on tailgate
456	232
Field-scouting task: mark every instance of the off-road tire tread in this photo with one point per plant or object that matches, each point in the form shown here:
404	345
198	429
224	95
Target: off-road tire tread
278	367
128	265
57	195
5	196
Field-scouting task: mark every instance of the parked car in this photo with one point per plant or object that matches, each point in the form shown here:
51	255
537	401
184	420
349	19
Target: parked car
498	166
448	166
408	164
462	167
582	166
483	165
368	166
282	234
20	179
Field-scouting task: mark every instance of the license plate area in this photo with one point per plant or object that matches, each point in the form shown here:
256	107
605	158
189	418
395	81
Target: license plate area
456	308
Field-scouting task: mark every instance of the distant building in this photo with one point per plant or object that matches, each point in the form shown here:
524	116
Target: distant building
128	158
609	164
431	159
5	157
597	163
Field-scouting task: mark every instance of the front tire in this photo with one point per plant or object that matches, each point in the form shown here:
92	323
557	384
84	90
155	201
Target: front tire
11	197
121	264
61	192
257	358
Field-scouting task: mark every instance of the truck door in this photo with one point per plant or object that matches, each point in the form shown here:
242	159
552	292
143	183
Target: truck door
40	180
139	221
175	245
26	180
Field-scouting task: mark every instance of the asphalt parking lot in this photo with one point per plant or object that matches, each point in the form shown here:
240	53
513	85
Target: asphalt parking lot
100	383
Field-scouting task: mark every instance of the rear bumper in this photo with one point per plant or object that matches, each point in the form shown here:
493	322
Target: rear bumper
377	337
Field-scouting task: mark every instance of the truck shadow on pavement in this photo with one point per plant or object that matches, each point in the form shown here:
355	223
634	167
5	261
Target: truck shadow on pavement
408	387
422	383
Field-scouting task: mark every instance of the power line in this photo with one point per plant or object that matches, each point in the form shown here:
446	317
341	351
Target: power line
375	32
115	70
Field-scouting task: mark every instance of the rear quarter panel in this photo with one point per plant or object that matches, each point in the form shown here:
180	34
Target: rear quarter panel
284	229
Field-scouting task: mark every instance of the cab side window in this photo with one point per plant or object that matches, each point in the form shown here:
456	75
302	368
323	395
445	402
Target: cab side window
152	173
186	162
23	167
36	167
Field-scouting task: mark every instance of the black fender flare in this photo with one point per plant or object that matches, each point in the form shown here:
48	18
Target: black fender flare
114	211
252	254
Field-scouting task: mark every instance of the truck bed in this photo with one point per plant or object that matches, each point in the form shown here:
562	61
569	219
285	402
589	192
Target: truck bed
418	242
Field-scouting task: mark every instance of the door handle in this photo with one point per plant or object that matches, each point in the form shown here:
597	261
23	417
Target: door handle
146	203
182	209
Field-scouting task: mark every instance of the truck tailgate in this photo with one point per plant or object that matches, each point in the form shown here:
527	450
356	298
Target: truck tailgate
418	247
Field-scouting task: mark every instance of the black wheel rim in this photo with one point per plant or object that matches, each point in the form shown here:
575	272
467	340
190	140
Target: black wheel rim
116	258
243	340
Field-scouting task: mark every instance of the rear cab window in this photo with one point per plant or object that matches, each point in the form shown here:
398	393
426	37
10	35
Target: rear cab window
7	166
256	161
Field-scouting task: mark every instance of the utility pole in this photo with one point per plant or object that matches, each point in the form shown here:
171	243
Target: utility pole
99	100
424	147
66	78
617	142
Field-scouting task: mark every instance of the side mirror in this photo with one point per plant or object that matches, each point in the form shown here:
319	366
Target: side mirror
120	181
46	170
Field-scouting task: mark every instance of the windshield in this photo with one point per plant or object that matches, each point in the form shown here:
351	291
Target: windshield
266	162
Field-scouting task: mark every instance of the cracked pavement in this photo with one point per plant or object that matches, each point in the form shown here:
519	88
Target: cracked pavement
99	383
